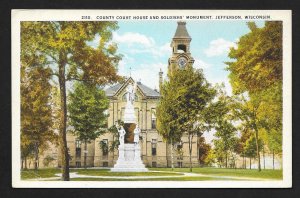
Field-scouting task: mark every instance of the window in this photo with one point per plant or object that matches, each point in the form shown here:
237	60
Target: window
181	48
154	164
137	115
78	164
124	97
78	148
179	151
122	113
105	164
179	145
153	119
104	147
179	164
153	146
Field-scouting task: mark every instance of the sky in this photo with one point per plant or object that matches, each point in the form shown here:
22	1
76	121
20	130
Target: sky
145	46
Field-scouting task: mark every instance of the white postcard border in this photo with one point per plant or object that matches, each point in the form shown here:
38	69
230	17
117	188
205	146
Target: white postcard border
76	15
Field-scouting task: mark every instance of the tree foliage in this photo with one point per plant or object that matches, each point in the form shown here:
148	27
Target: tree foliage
182	108
258	64
36	120
204	150
257	71
87	106
63	47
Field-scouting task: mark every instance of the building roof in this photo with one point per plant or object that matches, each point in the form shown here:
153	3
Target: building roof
181	31
113	89
147	91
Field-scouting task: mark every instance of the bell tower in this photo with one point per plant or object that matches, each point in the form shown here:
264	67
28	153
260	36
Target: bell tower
181	56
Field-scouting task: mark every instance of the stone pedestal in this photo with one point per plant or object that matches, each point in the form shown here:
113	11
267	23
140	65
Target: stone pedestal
129	159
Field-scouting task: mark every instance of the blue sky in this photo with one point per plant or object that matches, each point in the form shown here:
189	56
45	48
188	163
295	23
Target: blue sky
145	46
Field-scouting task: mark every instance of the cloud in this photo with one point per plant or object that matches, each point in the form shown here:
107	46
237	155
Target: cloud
131	38
165	49
155	50
200	64
224	80
219	47
209	136
141	44
146	73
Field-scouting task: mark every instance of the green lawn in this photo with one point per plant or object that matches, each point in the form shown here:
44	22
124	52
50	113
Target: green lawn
155	179
265	174
106	172
41	173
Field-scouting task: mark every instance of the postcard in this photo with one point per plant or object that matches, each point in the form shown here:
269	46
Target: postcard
151	99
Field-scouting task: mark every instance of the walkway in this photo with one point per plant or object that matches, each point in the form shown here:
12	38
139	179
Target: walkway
182	174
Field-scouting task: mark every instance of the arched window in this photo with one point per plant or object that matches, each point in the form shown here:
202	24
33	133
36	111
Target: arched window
181	48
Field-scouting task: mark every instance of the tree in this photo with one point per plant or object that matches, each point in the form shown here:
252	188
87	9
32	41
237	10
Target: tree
204	150
165	114
115	135
221	118
227	140
258	56
63	47
250	148
185	98
257	71
249	113
87	105
210	160
35	111
245	135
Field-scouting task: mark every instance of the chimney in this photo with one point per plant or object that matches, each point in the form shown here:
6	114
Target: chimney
160	78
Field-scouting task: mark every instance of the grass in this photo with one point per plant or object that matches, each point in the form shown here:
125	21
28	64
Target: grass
106	172
265	174
154	179
40	173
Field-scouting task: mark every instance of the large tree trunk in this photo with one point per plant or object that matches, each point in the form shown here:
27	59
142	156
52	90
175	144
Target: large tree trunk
36	156
273	160
113	151
63	119
167	143
226	160
250	163
190	151
264	157
257	149
25	161
172	156
85	154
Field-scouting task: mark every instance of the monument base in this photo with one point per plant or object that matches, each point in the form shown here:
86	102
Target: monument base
129	159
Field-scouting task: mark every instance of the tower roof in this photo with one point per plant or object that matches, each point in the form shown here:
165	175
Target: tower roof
181	31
